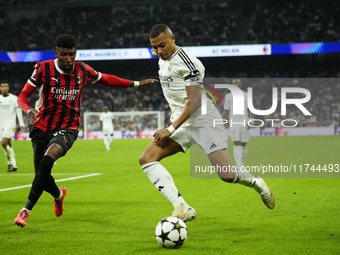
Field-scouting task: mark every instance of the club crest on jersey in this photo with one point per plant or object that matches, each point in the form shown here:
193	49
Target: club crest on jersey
170	67
78	79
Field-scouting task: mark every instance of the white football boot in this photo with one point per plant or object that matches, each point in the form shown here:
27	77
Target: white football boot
265	193
186	214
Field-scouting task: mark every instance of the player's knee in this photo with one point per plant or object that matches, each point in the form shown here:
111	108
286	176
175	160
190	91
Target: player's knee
145	159
4	143
142	160
229	180
237	143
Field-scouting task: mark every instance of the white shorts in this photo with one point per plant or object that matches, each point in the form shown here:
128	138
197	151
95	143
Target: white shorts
241	134
7	132
202	132
108	131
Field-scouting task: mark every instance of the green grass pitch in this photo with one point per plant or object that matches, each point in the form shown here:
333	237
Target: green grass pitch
117	212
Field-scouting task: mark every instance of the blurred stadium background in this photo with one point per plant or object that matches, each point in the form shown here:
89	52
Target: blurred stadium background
27	25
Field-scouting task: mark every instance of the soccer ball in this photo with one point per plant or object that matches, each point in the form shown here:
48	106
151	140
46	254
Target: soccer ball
171	232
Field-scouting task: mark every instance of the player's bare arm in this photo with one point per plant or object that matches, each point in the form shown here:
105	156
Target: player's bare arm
145	82
193	103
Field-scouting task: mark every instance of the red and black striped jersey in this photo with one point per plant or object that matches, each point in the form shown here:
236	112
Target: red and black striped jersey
60	93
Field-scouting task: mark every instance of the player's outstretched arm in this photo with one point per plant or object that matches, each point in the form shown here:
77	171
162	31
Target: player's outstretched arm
145	82
110	80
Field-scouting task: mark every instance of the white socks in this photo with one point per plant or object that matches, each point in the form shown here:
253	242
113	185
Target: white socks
237	155
245	178
163	181
240	154
9	152
107	141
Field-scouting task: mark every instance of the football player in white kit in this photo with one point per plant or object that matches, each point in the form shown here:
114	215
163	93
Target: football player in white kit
239	133
9	110
107	127
179	73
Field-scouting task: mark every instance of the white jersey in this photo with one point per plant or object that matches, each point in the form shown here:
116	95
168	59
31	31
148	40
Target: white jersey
175	75
9	110
228	105
106	118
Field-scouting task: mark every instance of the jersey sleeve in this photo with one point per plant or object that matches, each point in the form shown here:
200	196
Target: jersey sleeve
192	69
35	78
24	95
91	75
226	105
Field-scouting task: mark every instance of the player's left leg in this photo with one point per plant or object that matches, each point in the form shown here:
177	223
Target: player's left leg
241	176
207	135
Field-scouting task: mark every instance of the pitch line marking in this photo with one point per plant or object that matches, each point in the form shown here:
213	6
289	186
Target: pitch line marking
53	174
61	180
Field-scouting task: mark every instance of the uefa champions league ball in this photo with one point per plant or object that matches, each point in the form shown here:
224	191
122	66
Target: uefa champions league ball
171	232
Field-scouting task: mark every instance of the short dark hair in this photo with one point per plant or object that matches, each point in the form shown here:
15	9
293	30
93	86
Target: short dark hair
158	29
65	41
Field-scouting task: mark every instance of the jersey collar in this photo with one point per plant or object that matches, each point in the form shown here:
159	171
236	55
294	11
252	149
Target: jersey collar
176	52
58	68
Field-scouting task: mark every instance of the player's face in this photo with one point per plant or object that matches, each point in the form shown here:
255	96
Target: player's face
164	45
66	58
237	83
4	89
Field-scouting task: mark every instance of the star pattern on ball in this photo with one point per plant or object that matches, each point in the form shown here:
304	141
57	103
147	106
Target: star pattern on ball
176	226
164	236
179	242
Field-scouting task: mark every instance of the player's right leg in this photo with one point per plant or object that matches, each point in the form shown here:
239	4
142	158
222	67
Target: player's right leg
161	178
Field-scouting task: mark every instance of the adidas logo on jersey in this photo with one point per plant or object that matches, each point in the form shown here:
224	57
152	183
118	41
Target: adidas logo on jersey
213	146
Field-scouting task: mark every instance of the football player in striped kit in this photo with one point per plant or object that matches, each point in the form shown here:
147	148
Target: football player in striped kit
180	73
55	124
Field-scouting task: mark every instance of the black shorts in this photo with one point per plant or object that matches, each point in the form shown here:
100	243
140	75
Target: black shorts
42	140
